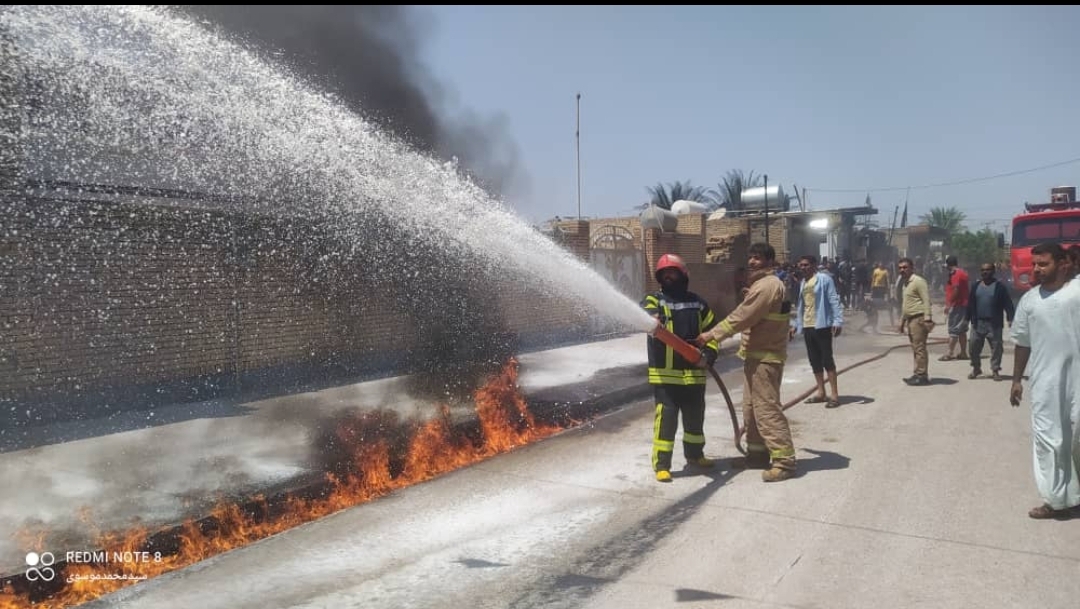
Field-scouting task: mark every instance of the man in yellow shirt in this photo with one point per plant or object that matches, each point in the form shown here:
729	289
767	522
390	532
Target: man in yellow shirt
879	294
917	316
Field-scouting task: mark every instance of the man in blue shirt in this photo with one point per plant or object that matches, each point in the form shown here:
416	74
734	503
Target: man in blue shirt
819	317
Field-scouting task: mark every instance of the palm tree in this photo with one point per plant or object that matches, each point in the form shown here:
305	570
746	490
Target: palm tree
729	192
666	196
949	218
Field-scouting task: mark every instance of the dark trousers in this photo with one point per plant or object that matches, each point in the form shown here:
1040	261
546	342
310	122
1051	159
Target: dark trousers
819	349
983	329
670	400
861	288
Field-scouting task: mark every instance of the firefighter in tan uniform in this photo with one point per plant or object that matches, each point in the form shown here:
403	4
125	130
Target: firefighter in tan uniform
763	319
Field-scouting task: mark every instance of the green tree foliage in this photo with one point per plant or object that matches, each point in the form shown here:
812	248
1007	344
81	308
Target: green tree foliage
665	196
949	218
728	192
973	249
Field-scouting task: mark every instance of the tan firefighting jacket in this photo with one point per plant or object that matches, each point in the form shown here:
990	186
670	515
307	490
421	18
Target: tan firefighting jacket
762	318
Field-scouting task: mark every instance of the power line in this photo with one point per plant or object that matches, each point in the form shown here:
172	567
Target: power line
955	183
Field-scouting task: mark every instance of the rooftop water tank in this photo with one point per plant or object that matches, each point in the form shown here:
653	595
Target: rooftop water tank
1063	194
658	217
683	206
754	198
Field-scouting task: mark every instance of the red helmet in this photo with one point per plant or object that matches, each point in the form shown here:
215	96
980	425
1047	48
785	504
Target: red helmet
671	261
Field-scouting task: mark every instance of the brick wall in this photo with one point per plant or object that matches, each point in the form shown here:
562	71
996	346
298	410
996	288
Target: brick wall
105	306
778	236
630	223
9	112
108	306
715	283
687	240
727	239
712	281
93	294
575	237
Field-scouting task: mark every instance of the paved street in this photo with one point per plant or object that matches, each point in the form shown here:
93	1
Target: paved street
909	497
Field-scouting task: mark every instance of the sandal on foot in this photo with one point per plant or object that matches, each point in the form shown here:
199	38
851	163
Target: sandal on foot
1044	512
975	374
832	404
946	358
817	399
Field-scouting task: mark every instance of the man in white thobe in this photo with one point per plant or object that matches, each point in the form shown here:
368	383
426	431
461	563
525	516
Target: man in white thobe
1046	331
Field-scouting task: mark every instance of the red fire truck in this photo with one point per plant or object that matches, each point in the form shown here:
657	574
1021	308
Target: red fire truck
1058	220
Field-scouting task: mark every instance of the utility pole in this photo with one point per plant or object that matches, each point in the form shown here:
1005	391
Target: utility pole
577	137
892	228
766	208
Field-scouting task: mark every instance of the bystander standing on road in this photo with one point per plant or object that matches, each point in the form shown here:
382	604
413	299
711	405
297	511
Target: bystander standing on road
1047	336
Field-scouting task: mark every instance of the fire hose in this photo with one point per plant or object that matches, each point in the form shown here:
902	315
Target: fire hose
693	355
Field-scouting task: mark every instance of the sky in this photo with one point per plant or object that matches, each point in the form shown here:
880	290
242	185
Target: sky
822	98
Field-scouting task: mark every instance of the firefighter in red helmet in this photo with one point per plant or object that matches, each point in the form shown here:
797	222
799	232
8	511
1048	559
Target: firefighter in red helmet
678	385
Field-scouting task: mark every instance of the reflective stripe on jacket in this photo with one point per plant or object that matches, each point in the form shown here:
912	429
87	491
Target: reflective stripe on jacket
686	318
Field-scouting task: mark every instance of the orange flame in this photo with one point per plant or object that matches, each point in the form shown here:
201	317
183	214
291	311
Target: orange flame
373	469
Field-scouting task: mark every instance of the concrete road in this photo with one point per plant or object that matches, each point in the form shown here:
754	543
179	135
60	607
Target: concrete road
909	497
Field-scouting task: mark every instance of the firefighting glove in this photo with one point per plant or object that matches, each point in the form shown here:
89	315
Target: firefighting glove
708	357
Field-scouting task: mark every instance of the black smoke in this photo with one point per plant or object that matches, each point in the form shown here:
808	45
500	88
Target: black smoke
370	57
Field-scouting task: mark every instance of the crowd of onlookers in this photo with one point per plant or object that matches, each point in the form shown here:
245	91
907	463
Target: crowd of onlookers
1043	326
811	298
858	283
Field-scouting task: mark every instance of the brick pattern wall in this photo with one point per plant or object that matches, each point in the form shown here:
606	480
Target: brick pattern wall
777	237
715	283
630	223
97	298
575	237
535	315
688	241
94	295
728	238
9	112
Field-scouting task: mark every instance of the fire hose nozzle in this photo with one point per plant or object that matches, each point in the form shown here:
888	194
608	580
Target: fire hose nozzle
693	355
689	352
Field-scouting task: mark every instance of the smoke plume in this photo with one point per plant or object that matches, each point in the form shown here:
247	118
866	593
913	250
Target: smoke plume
370	57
